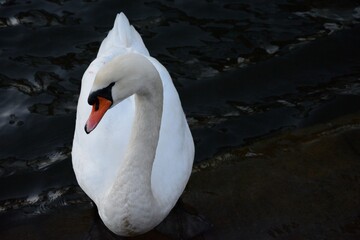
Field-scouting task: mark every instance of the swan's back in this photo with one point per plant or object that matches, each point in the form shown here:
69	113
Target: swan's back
97	156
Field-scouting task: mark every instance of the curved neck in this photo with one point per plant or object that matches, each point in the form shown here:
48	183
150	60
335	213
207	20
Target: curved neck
140	154
131	195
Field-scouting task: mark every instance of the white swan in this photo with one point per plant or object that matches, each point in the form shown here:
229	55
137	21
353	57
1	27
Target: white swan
136	161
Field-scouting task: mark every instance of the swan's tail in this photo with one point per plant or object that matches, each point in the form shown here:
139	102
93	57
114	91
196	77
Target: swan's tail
123	35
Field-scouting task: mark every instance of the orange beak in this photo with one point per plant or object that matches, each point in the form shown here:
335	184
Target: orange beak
97	112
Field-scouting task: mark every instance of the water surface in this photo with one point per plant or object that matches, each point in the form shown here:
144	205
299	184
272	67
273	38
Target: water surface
245	71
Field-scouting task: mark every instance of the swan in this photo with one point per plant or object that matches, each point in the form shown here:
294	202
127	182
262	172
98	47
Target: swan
132	150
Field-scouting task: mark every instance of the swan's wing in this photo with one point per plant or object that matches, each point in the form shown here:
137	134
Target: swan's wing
95	162
175	152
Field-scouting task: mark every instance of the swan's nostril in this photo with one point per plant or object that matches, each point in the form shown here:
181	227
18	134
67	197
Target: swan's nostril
104	93
96	104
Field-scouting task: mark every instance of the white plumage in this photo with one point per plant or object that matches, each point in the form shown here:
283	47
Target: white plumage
98	157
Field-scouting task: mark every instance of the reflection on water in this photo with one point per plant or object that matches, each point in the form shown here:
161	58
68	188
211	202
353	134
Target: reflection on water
46	201
246	71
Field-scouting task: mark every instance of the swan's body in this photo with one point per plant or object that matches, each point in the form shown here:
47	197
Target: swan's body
137	161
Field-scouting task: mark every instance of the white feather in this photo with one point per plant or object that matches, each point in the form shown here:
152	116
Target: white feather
97	156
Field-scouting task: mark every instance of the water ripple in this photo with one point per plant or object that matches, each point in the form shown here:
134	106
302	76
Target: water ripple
46	201
12	165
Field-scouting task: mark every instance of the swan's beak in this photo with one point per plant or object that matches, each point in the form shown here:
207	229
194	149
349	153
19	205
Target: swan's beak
99	108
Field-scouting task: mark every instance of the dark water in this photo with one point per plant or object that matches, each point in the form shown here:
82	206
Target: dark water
245	71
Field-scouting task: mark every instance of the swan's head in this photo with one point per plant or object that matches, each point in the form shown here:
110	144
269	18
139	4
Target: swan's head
117	80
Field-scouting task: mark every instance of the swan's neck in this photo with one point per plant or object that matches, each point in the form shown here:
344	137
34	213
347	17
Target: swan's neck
143	142
131	201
